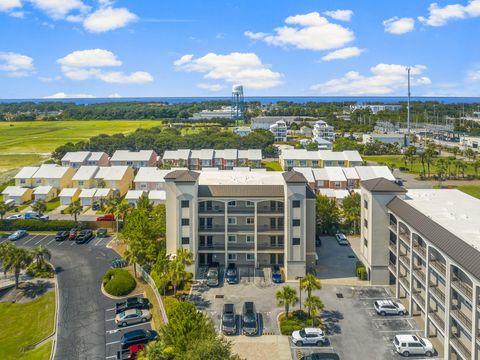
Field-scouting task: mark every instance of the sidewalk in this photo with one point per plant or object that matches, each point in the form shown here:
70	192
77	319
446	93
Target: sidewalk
263	347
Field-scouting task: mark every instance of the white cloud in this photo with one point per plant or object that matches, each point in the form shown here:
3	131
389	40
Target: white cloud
310	31
384	79
474	75
211	87
343	15
59	9
49	78
344	53
87	64
62	95
396	25
7	5
17	14
107	19
243	68
439	16
16	65
114	96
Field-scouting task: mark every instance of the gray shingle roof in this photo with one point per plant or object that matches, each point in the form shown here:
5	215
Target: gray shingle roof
294	177
182	176
382	185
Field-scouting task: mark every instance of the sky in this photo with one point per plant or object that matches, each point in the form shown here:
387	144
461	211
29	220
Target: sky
170	48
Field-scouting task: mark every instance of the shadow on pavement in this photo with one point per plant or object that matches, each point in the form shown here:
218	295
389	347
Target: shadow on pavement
331	319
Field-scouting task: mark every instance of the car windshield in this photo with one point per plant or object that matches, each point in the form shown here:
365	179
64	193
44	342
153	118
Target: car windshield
302	333
139	312
396	341
122	314
230	318
231	272
249	319
422	342
212	274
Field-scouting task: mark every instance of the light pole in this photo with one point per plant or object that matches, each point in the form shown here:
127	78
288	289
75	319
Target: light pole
300	278
408	106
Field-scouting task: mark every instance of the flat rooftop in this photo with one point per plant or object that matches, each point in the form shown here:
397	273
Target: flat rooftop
456	211
231	177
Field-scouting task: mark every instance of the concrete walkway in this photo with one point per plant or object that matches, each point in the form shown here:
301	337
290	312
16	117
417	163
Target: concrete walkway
265	347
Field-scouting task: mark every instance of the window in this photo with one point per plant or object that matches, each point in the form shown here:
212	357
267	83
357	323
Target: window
250	220
143	185
185	204
22	181
365	242
249	239
250	257
296	203
232	203
185	240
249	204
185	222
365	204
296	241
296	222
232	257
232	238
338	184
232	221
365	223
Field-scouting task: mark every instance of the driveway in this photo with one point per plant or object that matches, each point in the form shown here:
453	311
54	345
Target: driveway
82	331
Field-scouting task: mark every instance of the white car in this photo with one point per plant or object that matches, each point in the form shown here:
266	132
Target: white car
341	239
407	345
15	216
389	307
132	316
309	336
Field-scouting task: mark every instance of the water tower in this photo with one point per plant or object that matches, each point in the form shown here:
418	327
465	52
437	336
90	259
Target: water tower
238	105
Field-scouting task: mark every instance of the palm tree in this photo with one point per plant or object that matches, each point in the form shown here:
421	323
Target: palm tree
41	254
3	209
144	203
118	207
422	160
310	283
286	297
476	166
74	209
5	250
462	166
176	273
186	258
314	306
39	206
18	259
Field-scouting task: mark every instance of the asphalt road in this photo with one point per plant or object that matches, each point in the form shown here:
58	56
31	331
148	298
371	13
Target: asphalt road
83	330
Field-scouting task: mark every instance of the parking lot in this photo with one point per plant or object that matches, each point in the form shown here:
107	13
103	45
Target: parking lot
49	241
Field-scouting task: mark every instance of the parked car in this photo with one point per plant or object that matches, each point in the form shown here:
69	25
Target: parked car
137	337
231	274
96	206
119	263
341	239
61	236
102	233
389	307
132	303
72	234
413	345
130	353
106	217
277	277
308	336
84	236
15	217
213	276
17	235
249	319
10	204
35	216
229	320
132	316
321	356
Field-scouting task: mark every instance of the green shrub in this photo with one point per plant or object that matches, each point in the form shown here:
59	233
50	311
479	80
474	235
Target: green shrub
36	225
170	303
297	320
118	282
45	272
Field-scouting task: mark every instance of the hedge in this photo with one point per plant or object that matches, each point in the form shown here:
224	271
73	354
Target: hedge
361	271
37	225
170	303
118	282
45	273
296	320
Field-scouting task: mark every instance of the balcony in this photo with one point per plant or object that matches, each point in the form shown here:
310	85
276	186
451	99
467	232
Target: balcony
461	348
405	238
269	210
241	246
241	228
405	283
211	211
439	320
464	288
215	246
393	227
420	250
405	259
211	229
267	246
268	228
419	274
392	247
392	267
439	294
417	295
462	318
439	267
249	210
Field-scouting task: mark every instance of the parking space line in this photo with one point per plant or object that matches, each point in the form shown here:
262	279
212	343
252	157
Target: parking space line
393	319
111	357
113	342
110	309
110	319
126	328
33	237
396	331
73	243
99	241
1	242
39	241
53	238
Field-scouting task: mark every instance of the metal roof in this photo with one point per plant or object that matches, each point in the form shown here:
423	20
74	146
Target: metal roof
250	191
182	176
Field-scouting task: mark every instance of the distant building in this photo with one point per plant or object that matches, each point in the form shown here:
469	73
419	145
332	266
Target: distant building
386	127
242	130
290	158
78	158
219	114
471	142
323	144
264	122
323	131
208	158
134	159
279	130
377	108
306	131
401	140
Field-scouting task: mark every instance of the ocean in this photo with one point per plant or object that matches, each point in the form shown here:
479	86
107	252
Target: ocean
262	99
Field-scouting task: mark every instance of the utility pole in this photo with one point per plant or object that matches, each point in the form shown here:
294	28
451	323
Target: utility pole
408	106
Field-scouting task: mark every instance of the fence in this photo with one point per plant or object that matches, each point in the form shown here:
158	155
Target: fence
145	276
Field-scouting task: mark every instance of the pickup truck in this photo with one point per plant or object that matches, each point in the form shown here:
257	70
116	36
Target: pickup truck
35	216
132	303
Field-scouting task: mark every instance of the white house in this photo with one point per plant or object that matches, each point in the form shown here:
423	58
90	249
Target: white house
150	178
86	197
323	131
18	194
133	196
157	197
69	195
45	193
279	130
134	159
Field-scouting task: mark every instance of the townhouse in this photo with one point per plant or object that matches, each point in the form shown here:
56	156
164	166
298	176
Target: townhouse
425	244
84	178
117	178
58	177
18	194
290	158
209	158
134	159
78	158
150	178
254	219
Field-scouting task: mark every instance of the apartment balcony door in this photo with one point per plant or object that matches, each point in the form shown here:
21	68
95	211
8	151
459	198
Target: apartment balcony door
206	223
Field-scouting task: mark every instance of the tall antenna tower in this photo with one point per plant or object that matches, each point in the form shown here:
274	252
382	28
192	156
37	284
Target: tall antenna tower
408	106
238	105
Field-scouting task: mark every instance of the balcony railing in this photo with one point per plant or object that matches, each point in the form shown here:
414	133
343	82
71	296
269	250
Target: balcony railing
435	290
268	210
241	246
214	246
464	288
393	226
439	320
404	281
462	318
405	259
268	228
242	228
211	210
417	295
460	347
393	248
392	267
439	267
420	274
241	210
270	246
420	250
405	238
213	228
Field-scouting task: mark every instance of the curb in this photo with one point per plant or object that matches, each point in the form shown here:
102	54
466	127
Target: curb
57	305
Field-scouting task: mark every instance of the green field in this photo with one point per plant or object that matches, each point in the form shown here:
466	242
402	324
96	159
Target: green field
473	190
8	162
272	165
24	325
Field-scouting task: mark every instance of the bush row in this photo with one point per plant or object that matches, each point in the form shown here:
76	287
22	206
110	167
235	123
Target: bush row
297	320
361	271
45	273
118	282
36	225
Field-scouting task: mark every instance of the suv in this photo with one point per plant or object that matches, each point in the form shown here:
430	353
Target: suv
389	307
411	344
137	337
276	274
61	235
309	336
249	319
231	274
84	236
229	320
341	239
213	276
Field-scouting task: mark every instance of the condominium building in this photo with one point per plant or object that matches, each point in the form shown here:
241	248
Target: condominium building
324	131
290	158
279	131
254	219
208	158
425	244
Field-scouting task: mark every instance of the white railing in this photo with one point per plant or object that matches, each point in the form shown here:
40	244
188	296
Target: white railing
145	276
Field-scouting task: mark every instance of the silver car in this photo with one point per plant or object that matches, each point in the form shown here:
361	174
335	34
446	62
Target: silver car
132	316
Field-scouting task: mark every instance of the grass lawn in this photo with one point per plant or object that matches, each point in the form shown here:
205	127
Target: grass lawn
25	324
272	165
473	190
40	353
53	204
8	162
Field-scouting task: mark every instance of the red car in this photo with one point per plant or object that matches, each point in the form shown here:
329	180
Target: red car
72	234
135	349
106	217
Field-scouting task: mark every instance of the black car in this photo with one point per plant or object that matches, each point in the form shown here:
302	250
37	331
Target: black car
132	303
249	319
231	274
137	337
102	233
84	236
229	320
321	356
61	236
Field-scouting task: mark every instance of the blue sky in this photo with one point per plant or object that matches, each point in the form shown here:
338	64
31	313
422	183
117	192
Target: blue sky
101	48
